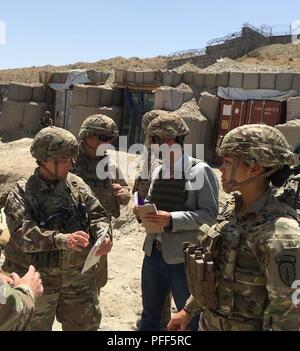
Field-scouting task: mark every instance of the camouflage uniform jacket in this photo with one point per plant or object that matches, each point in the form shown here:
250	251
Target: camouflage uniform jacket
16	307
256	268
287	193
39	214
86	168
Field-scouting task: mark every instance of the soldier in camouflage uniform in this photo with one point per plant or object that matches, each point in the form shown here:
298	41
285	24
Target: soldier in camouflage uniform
242	274
17	299
54	220
46	120
185	192
99	130
289	193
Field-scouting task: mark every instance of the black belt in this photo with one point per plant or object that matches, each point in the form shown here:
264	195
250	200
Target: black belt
156	245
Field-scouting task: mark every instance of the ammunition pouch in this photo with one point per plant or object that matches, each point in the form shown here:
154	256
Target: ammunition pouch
201	270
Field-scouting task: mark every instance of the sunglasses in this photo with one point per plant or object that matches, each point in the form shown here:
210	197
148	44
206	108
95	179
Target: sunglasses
157	140
104	138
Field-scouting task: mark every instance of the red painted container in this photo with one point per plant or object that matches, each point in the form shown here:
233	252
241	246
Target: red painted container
232	115
267	112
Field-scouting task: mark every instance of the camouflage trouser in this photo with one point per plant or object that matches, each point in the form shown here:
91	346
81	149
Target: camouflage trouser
101	273
211	321
69	296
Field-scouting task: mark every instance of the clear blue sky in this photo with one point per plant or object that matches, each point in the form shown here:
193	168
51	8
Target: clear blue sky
58	32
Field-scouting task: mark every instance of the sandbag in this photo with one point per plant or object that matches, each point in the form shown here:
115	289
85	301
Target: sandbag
296	82
188	77
149	77
293	108
94	96
19	116
251	81
79	114
284	81
139	78
120	76
170	99
223	79
79	95
199	80
171	78
209	106
19	92
98	77
107	97
291	131
268	81
210	80
39	94
118	98
130	77
236	80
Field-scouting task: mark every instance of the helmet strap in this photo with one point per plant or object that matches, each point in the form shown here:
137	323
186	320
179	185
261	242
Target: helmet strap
51	174
229	186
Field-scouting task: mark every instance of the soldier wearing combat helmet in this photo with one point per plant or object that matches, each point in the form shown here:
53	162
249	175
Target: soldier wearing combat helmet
54	220
289	193
111	189
182	208
246	265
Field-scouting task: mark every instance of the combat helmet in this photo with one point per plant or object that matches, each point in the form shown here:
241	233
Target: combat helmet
148	118
256	144
54	143
168	126
100	125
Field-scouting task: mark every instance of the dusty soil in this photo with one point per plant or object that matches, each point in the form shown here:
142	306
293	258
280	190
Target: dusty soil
121	298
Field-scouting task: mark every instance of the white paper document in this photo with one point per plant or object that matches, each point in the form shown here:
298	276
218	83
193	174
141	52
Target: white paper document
145	209
92	259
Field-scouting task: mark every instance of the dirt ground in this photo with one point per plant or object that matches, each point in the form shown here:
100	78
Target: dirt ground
121	298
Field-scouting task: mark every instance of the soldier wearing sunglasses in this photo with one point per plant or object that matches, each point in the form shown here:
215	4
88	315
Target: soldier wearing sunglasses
112	192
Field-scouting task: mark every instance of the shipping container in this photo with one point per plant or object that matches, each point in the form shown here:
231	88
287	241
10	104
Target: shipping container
232	115
267	112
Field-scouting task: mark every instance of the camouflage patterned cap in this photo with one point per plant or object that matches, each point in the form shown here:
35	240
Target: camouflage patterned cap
54	143
98	124
259	144
168	126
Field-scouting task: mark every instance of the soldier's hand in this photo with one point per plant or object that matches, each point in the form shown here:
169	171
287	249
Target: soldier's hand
105	248
120	192
32	279
179	321
77	240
